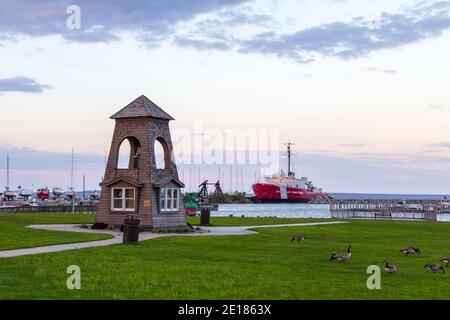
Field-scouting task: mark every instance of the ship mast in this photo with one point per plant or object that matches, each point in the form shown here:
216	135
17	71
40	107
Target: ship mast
289	153
289	158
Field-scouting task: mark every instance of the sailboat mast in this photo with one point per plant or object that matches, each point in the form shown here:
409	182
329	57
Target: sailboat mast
231	179
71	173
237	178
242	180
71	186
190	179
7	171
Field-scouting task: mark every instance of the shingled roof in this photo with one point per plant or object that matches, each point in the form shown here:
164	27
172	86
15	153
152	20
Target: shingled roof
142	107
164	180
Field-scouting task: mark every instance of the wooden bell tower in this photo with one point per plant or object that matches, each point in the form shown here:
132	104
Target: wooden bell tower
154	194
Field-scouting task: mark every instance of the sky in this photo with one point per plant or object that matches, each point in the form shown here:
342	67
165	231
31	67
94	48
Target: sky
360	87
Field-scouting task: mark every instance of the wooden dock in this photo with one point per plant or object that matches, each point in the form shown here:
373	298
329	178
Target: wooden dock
392	210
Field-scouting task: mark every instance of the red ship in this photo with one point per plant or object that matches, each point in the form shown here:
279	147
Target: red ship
286	188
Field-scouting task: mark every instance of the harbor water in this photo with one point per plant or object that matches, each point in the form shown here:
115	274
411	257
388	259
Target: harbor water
280	210
283	210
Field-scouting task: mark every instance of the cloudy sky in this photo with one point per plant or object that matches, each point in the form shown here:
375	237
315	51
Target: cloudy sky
361	87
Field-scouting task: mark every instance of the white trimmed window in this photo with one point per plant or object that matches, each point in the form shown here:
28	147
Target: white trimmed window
169	199
123	199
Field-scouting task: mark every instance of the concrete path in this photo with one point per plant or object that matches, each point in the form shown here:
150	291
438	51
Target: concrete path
117	236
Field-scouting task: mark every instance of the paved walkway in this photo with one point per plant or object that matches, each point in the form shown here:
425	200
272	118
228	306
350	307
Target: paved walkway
117	236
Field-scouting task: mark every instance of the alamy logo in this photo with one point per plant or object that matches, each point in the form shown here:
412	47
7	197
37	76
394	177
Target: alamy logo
74	280
73	22
374	280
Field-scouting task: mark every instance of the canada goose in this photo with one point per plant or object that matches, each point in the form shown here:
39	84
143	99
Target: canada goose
434	267
343	256
298	238
333	256
389	268
410	250
446	261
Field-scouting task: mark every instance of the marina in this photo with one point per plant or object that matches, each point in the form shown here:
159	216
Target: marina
43	196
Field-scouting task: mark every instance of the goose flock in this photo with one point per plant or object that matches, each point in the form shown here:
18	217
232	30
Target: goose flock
389	268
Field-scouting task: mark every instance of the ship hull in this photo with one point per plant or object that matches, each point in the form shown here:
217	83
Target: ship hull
271	193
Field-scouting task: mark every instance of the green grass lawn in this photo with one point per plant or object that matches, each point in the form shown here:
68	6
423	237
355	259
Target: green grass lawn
14	235
260	266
